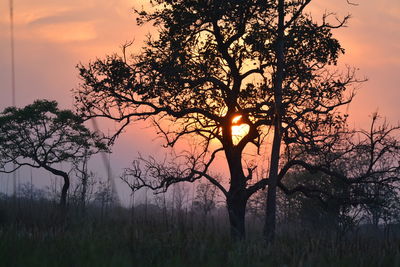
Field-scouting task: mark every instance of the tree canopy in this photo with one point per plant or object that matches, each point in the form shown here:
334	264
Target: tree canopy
40	135
212	61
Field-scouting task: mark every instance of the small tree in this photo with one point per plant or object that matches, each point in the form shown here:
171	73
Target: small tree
205	199
104	196
83	190
40	135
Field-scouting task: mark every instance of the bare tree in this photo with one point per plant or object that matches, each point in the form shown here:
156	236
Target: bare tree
206	198
179	196
356	168
104	196
84	189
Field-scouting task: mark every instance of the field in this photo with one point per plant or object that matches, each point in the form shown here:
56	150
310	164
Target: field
33	233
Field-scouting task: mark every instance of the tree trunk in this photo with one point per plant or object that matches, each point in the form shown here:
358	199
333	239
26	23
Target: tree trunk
270	218
375	218
64	191
236	210
84	190
84	181
236	197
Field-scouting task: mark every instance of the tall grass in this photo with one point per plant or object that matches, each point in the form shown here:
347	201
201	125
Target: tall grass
32	235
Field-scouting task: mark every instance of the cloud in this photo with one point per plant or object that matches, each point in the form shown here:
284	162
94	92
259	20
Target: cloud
62	17
41	18
83	30
68	32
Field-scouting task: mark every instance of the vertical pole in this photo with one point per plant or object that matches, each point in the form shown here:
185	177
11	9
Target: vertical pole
13	81
12	52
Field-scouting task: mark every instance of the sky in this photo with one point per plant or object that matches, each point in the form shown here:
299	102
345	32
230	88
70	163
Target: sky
53	36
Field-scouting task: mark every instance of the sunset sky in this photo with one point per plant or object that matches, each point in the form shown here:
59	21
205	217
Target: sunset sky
51	37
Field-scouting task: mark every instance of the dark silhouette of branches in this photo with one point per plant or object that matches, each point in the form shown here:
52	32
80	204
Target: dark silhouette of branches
158	176
40	135
366	163
267	61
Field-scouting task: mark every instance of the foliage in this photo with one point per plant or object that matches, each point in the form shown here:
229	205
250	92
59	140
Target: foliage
210	62
40	135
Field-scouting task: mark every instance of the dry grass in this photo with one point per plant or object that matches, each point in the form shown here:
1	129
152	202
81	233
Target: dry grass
30	236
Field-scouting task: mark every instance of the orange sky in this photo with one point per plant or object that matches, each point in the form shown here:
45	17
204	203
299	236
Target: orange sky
51	37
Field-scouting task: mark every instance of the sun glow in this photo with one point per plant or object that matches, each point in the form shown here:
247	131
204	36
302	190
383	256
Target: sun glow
239	130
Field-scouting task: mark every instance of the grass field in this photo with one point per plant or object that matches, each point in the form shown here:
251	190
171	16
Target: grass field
33	235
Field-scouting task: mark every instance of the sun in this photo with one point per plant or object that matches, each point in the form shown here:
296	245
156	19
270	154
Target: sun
239	130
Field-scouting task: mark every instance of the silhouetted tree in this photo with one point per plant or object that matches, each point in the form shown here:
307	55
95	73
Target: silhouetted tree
356	168
385	207
104	196
86	181
331	211
206	198
256	205
211	62
29	192
40	135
